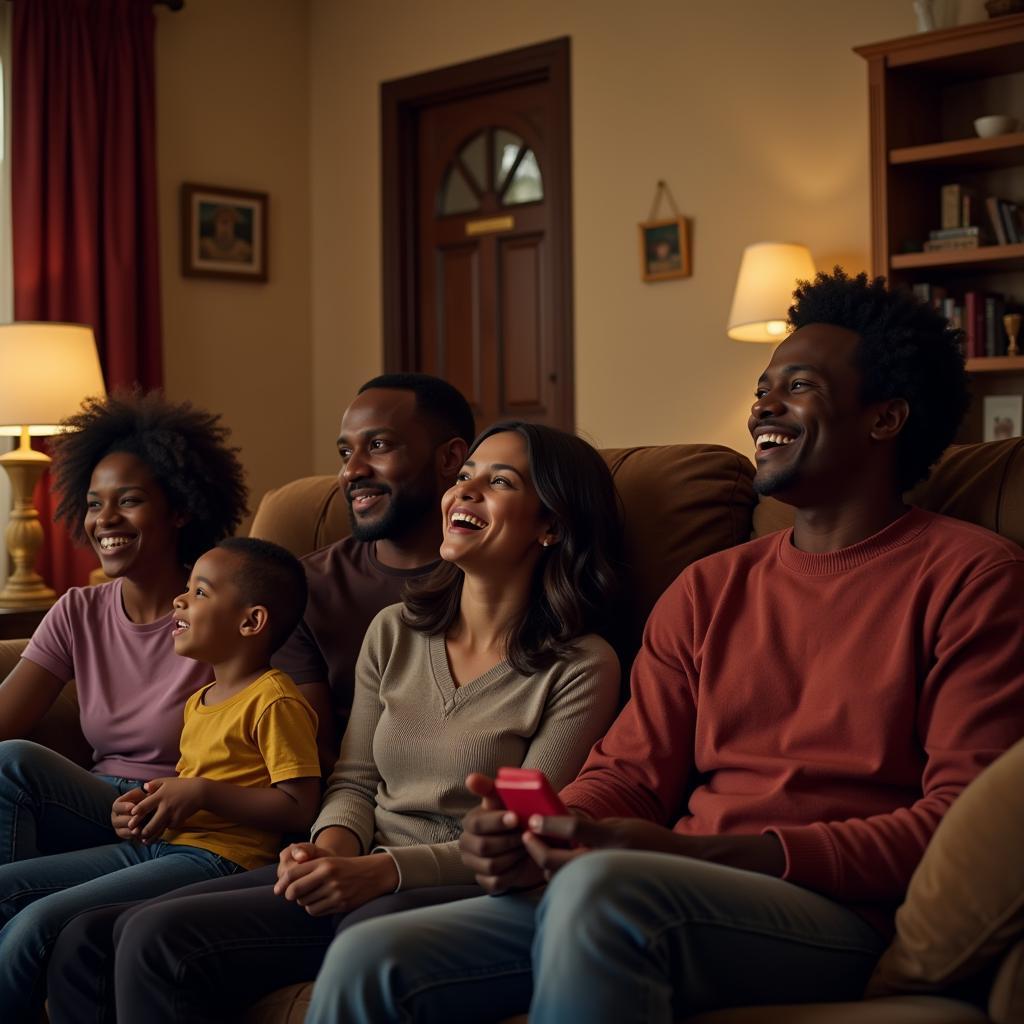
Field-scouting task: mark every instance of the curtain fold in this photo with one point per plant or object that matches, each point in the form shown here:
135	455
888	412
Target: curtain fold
84	204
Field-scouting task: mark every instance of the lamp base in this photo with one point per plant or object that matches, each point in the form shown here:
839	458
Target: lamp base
25	588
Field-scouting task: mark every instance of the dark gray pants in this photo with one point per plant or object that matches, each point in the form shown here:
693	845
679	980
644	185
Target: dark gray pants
203	953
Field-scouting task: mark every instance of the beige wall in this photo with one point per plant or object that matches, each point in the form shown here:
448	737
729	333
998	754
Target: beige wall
754	112
233	110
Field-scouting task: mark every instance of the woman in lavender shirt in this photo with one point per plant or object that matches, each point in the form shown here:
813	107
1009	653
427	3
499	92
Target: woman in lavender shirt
150	486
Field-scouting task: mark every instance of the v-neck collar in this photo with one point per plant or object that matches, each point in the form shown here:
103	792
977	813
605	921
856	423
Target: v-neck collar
451	693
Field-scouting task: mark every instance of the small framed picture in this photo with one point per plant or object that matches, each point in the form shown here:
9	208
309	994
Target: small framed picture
664	249
223	233
1004	416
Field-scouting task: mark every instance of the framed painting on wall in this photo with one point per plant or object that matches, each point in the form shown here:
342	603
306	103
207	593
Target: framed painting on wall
664	249
223	233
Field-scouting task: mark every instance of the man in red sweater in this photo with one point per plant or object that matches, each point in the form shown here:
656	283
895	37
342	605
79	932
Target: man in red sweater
804	710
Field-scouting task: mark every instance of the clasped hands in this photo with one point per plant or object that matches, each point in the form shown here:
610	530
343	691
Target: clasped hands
505	853
325	882
167	803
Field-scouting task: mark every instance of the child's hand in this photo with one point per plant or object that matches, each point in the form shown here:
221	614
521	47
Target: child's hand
170	803
121	812
336	885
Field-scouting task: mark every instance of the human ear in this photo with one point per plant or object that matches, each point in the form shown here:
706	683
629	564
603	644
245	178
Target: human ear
255	621
890	419
450	457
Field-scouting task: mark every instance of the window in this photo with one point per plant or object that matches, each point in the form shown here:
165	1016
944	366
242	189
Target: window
514	175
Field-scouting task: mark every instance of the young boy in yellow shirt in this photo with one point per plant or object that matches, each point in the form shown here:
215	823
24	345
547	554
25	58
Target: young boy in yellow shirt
248	771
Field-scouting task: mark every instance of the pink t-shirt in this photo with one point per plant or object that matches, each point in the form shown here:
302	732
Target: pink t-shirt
131	685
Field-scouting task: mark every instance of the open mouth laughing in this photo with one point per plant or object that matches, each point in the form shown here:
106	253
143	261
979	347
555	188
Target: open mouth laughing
770	439
109	543
463	521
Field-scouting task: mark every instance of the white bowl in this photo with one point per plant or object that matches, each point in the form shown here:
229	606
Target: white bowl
995	124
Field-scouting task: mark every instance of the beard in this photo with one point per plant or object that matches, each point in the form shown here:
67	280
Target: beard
771	482
407	510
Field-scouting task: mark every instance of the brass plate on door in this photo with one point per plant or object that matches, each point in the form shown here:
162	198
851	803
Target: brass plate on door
490	225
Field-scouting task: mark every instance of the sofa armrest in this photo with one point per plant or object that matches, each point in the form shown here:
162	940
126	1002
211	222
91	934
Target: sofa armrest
60	728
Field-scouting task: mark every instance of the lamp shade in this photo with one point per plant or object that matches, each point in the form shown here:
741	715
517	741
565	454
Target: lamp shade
46	369
768	275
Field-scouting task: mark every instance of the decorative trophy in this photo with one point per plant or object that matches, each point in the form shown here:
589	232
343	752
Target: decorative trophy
1012	324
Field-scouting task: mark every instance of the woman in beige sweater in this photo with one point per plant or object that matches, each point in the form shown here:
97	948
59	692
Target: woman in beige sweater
494	659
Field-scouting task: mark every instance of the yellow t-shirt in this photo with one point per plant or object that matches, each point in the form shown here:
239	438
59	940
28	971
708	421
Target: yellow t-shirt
262	735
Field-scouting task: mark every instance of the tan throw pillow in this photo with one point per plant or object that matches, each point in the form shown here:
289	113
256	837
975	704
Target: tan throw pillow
965	903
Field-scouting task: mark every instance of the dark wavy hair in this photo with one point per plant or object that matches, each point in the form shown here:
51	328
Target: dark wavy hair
183	447
907	350
271	576
575	583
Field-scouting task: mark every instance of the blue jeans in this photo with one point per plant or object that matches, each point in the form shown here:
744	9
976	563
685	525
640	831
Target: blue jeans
39	896
618	936
49	804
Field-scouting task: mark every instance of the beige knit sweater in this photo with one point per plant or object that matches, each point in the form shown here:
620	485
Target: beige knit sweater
414	736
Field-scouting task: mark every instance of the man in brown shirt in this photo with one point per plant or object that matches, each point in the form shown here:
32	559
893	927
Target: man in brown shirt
402	441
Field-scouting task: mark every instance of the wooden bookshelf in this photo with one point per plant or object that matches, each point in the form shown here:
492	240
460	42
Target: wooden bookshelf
924	92
996	364
1001	151
985	257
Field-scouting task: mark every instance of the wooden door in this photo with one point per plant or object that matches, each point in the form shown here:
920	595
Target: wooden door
484	238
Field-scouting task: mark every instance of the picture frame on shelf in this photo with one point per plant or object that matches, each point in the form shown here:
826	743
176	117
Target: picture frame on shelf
1004	417
664	249
224	233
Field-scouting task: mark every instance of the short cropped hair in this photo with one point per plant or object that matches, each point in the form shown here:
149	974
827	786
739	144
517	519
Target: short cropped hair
183	447
436	399
907	350
271	576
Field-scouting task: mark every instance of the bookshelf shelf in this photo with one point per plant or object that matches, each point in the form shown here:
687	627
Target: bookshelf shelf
986	257
996	364
1002	151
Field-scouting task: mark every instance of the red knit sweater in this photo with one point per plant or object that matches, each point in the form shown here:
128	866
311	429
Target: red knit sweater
840	700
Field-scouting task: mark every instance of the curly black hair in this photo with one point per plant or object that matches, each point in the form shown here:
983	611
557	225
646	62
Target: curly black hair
907	350
184	448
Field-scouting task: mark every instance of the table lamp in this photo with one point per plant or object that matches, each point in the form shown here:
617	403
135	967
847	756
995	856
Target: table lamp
768	275
46	370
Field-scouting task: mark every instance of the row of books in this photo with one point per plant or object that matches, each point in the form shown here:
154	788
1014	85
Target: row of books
978	314
970	220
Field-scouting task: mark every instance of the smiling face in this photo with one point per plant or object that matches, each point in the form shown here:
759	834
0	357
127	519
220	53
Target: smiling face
811	431
209	616
388	474
128	519
493	515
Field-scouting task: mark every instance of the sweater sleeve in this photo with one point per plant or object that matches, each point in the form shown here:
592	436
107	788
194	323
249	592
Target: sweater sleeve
350	798
579	706
641	767
970	709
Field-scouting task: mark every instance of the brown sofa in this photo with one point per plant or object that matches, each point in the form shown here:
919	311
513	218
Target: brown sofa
680	503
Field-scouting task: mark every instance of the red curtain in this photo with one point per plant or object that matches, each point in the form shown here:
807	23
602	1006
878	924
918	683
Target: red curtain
83	191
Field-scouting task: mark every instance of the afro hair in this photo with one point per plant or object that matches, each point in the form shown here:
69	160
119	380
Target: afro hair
907	350
183	447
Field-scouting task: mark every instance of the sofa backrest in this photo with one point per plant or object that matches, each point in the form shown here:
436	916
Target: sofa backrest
980	483
684	501
680	502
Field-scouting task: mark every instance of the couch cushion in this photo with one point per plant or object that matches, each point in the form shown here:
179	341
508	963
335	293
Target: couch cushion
680	503
303	515
965	903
